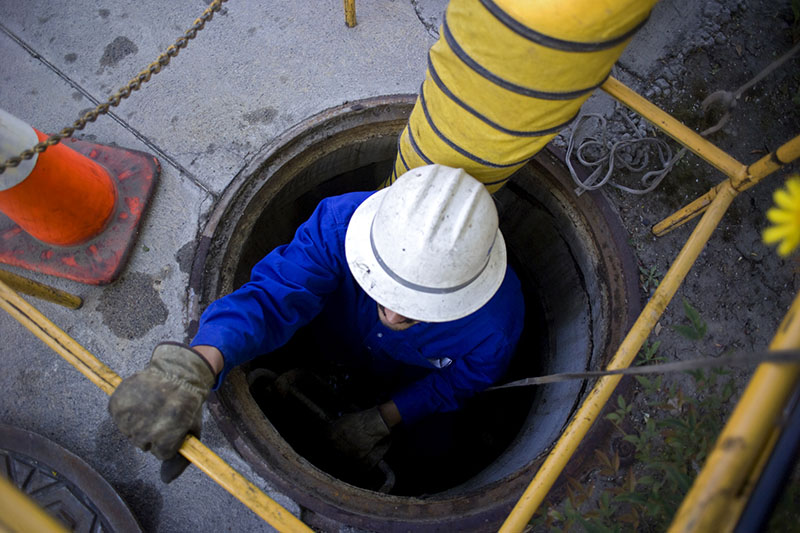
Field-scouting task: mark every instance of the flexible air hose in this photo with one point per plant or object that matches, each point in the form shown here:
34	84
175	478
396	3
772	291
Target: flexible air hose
506	76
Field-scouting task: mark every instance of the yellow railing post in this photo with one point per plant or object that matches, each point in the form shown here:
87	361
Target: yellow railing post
350	13
601	392
715	500
692	140
20	513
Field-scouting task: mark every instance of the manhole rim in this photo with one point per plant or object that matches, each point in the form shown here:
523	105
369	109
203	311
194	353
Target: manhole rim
348	505
74	469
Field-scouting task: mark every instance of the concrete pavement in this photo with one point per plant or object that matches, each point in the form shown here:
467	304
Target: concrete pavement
255	70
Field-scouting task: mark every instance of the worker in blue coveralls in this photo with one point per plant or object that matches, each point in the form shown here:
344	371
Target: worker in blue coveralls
413	274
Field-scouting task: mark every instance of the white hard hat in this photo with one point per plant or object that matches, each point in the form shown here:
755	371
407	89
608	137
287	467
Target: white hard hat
428	247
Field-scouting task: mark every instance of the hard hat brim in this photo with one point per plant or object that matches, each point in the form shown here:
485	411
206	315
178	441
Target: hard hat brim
413	303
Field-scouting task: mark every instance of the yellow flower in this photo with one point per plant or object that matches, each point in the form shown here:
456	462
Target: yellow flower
785	217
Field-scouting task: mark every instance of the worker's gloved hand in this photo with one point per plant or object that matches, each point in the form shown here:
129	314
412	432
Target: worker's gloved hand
364	436
156	407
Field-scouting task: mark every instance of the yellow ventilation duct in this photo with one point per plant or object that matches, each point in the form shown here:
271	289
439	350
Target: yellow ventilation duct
506	76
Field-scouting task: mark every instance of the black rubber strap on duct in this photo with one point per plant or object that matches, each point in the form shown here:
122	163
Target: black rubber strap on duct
457	148
416	148
553	42
400	153
505	84
778	356
516	133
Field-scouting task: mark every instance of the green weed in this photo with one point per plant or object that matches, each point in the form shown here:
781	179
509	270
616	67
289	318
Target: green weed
674	432
697	327
650	278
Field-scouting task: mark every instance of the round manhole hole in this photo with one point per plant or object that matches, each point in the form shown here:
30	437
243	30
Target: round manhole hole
580	289
62	484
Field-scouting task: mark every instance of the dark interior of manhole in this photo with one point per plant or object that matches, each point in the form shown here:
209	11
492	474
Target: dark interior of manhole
449	450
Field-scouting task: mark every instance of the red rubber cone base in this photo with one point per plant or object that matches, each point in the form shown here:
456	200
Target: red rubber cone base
100	260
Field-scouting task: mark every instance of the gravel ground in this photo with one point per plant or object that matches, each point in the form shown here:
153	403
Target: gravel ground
739	286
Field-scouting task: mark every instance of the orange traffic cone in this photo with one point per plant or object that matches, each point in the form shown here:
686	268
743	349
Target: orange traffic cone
73	211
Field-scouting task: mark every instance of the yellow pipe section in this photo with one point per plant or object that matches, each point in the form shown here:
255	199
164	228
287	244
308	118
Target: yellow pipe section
768	164
692	140
20	514
707	506
40	290
601	392
754	174
506	76
105	378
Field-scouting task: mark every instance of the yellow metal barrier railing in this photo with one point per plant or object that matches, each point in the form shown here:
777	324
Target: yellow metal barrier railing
20	513
740	177
105	378
718	495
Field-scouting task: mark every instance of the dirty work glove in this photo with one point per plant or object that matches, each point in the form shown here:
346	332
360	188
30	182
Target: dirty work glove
362	436
156	407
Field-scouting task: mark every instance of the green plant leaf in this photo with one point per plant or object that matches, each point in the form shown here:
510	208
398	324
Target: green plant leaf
633	497
675	423
687	331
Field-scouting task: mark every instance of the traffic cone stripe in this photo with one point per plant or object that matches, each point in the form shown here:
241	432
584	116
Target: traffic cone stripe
66	199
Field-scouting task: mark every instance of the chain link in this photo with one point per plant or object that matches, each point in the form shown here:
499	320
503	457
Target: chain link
133	85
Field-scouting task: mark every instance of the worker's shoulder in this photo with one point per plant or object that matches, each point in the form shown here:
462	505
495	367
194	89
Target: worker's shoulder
506	309
343	206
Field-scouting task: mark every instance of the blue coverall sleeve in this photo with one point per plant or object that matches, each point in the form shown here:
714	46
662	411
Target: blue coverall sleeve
287	289
447	389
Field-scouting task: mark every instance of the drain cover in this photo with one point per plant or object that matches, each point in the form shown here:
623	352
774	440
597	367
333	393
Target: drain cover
62	484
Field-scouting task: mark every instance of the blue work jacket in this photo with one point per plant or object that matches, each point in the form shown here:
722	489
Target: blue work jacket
309	278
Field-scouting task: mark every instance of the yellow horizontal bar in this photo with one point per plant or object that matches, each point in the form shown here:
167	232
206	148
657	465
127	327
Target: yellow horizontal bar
601	392
756	172
692	140
105	378
60	342
40	290
686	213
750	428
20	514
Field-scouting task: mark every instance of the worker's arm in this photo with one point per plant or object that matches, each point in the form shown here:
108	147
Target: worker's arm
287	289
157	406
390	413
213	357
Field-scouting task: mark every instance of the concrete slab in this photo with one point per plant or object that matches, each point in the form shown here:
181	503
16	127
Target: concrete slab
118	323
250	74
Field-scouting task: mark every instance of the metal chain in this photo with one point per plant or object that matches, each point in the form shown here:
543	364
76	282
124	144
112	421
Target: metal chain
133	85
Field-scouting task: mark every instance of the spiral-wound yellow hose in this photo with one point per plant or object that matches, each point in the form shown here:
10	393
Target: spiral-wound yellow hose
506	76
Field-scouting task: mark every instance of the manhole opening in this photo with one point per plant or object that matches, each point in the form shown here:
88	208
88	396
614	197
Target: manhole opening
440	453
579	298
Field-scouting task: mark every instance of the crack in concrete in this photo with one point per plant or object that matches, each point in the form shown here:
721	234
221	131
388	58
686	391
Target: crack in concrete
140	136
429	25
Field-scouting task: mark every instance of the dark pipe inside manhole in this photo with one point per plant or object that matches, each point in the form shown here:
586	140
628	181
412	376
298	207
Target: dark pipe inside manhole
581	293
